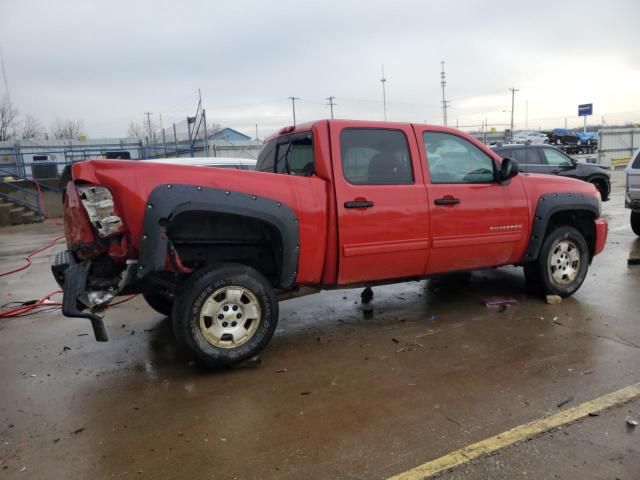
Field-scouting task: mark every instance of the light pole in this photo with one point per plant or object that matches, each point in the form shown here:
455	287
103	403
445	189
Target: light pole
384	94
513	96
293	107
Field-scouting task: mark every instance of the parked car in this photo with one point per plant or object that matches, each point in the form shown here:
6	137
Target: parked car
632	191
588	138
529	137
562	136
333	204
551	160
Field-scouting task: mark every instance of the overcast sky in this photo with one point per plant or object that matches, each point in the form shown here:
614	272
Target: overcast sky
106	62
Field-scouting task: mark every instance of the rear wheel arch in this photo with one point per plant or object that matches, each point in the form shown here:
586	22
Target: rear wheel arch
169	205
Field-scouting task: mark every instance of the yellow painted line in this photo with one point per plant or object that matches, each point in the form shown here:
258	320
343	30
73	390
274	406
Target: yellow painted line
519	434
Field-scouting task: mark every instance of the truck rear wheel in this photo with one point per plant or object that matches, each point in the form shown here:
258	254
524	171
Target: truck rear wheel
635	222
226	314
563	262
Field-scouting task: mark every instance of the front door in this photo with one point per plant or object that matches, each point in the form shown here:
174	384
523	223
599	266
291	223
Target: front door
381	203
475	221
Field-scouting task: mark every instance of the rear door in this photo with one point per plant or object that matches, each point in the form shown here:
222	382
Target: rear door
529	160
381	202
474	220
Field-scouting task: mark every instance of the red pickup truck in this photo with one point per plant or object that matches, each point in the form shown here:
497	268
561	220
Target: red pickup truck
333	203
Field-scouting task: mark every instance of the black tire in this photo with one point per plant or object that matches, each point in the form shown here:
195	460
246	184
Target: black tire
196	330
601	186
635	222
558	278
160	302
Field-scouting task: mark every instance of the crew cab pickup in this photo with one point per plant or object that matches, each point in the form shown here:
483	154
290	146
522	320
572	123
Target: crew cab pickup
333	203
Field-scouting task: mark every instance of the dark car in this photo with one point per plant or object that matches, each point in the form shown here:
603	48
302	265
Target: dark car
562	136
548	159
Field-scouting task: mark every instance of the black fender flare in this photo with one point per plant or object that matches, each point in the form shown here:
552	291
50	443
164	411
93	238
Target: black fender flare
550	204
169	200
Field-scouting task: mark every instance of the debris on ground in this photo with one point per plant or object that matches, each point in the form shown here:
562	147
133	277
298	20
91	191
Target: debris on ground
587	372
281	370
66	349
554	299
555	320
632	421
594	414
431	318
306	392
395	340
79	430
500	303
564	402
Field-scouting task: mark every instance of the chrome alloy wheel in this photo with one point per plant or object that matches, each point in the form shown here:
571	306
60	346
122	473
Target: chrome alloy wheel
230	317
564	262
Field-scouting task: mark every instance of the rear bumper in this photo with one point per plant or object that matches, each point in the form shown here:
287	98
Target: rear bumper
632	199
72	277
601	235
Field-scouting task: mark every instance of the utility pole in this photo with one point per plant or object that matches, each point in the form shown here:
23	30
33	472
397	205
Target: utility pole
293	108
164	140
148	114
445	102
331	104
513	98
384	94
4	75
257	140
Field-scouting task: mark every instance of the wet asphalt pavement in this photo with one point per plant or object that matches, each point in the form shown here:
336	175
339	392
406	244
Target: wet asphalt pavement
340	392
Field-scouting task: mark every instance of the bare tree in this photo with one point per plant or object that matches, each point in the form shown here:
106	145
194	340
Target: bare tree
8	120
143	131
67	129
32	129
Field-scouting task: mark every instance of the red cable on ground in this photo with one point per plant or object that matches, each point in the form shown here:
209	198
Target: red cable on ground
22	309
28	257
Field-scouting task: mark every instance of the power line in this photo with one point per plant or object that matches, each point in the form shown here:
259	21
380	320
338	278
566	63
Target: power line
331	104
293	107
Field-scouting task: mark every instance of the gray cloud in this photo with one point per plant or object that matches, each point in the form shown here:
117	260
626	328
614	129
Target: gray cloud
107	62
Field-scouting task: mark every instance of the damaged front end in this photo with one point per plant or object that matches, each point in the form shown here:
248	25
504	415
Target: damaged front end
95	268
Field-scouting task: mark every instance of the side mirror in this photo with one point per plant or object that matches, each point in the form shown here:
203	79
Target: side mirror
508	170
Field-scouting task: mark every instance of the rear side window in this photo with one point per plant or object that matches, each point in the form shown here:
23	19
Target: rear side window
526	156
636	162
267	157
373	156
292	154
453	159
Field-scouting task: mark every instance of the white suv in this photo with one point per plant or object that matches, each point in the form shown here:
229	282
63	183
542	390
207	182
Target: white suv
632	192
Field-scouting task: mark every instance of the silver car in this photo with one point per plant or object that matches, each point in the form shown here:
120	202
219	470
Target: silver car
632	192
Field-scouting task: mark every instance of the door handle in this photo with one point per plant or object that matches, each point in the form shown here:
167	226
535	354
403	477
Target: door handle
358	204
555	171
447	201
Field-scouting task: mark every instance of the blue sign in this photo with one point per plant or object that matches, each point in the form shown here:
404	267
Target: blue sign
586	109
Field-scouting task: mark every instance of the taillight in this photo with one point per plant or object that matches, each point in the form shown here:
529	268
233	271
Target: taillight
100	207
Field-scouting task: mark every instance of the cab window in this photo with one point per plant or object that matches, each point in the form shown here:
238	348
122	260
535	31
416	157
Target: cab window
452	159
372	156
